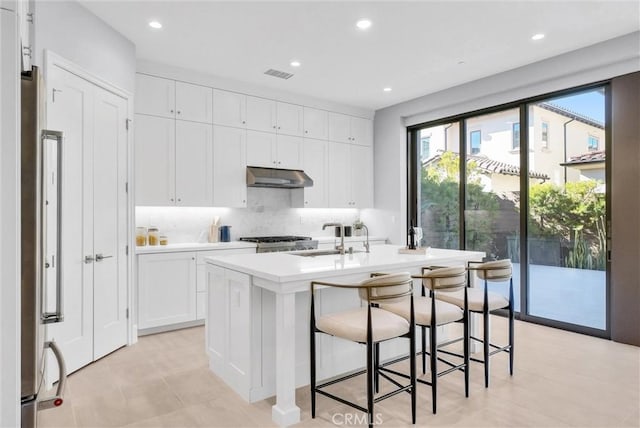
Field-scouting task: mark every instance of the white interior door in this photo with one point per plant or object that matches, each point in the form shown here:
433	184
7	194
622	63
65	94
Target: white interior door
110	222
94	217
70	110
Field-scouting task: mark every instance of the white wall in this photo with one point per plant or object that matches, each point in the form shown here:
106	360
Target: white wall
9	220
591	64
70	30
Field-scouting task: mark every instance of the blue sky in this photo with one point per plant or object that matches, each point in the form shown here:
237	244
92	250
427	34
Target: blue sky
590	104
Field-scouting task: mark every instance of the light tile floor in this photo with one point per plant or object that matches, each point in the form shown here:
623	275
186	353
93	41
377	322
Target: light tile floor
561	379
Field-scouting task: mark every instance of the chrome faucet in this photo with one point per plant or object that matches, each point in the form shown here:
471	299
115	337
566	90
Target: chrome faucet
366	243
341	226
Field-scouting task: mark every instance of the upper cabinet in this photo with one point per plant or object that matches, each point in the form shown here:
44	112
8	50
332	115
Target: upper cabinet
273	116
350	129
157	96
229	167
316	123
194	102
229	108
173	162
350	176
273	151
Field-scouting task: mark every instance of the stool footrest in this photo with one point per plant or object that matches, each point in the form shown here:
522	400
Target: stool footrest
342	400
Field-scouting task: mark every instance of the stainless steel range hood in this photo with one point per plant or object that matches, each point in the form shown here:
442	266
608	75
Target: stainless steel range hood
277	178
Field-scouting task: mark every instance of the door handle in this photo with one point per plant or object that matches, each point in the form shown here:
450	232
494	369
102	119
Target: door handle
100	257
58	399
88	259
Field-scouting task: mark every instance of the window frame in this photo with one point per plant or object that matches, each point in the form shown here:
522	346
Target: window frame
471	133
515	143
544	134
589	140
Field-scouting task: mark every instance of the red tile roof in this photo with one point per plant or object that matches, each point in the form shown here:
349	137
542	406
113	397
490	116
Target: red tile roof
591	157
492	166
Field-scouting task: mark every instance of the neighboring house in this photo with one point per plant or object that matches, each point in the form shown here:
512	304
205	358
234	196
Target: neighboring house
495	176
591	165
556	135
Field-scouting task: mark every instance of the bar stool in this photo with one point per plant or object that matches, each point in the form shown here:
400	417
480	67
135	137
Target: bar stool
485	302
432	313
369	326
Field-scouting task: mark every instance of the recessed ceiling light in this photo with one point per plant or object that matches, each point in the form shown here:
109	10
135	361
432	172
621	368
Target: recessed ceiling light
538	36
295	64
363	24
387	89
460	62
155	24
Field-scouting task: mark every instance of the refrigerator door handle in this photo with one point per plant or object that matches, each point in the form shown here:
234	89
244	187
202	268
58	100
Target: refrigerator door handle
58	399
57	315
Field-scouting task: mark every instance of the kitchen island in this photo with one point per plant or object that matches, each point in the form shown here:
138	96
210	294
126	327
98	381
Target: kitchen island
257	323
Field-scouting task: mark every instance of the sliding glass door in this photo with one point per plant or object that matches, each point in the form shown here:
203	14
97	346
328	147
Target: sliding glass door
567	211
525	182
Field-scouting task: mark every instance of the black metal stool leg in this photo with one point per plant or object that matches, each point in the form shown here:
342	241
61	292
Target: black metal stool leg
370	381
485	344
511	326
433	348
312	371
376	364
465	351
424	349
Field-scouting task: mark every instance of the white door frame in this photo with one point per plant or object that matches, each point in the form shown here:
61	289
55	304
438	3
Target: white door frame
52	59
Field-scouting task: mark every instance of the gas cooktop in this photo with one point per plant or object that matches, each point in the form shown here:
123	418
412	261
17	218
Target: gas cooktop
270	239
268	244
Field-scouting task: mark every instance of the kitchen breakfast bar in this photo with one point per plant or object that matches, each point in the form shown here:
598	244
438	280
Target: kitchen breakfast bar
257	324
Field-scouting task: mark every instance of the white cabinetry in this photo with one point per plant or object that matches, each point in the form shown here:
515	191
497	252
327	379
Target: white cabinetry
274	116
173	161
316	123
350	169
194	164
350	129
157	96
314	163
273	151
229	348
166	289
229	167
229	108
154	160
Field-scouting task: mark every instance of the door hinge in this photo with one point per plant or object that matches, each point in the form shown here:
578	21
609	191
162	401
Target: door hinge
30	17
126	187
126	123
127	313
53	96
126	250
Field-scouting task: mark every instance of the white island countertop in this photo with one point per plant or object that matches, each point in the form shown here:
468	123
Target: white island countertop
286	267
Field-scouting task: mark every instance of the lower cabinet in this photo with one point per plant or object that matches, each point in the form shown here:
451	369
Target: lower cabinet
166	289
172	287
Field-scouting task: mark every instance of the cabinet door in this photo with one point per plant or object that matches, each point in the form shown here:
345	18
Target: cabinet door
361	172
194	164
155	96
166	289
361	131
316	123
261	114
229	167
289	152
289	119
238	361
194	102
339	127
314	163
154	160
261	149
229	108
339	175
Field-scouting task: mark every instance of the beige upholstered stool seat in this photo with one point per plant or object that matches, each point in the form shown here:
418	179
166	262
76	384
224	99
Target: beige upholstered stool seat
476	299
445	312
352	325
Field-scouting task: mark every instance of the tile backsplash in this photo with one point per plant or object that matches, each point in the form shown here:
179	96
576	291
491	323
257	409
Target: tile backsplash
268	212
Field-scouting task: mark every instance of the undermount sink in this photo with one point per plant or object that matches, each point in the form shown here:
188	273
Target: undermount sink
314	253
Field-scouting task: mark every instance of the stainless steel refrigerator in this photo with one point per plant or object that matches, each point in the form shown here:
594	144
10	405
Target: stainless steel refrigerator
41	277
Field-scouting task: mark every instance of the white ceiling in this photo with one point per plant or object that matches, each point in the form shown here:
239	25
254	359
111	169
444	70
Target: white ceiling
414	47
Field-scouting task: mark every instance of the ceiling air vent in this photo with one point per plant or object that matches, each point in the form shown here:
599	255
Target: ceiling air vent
279	74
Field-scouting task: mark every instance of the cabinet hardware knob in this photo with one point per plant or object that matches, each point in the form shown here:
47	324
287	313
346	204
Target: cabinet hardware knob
243	122
171	199
274	127
306	132
179	200
179	112
170	111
